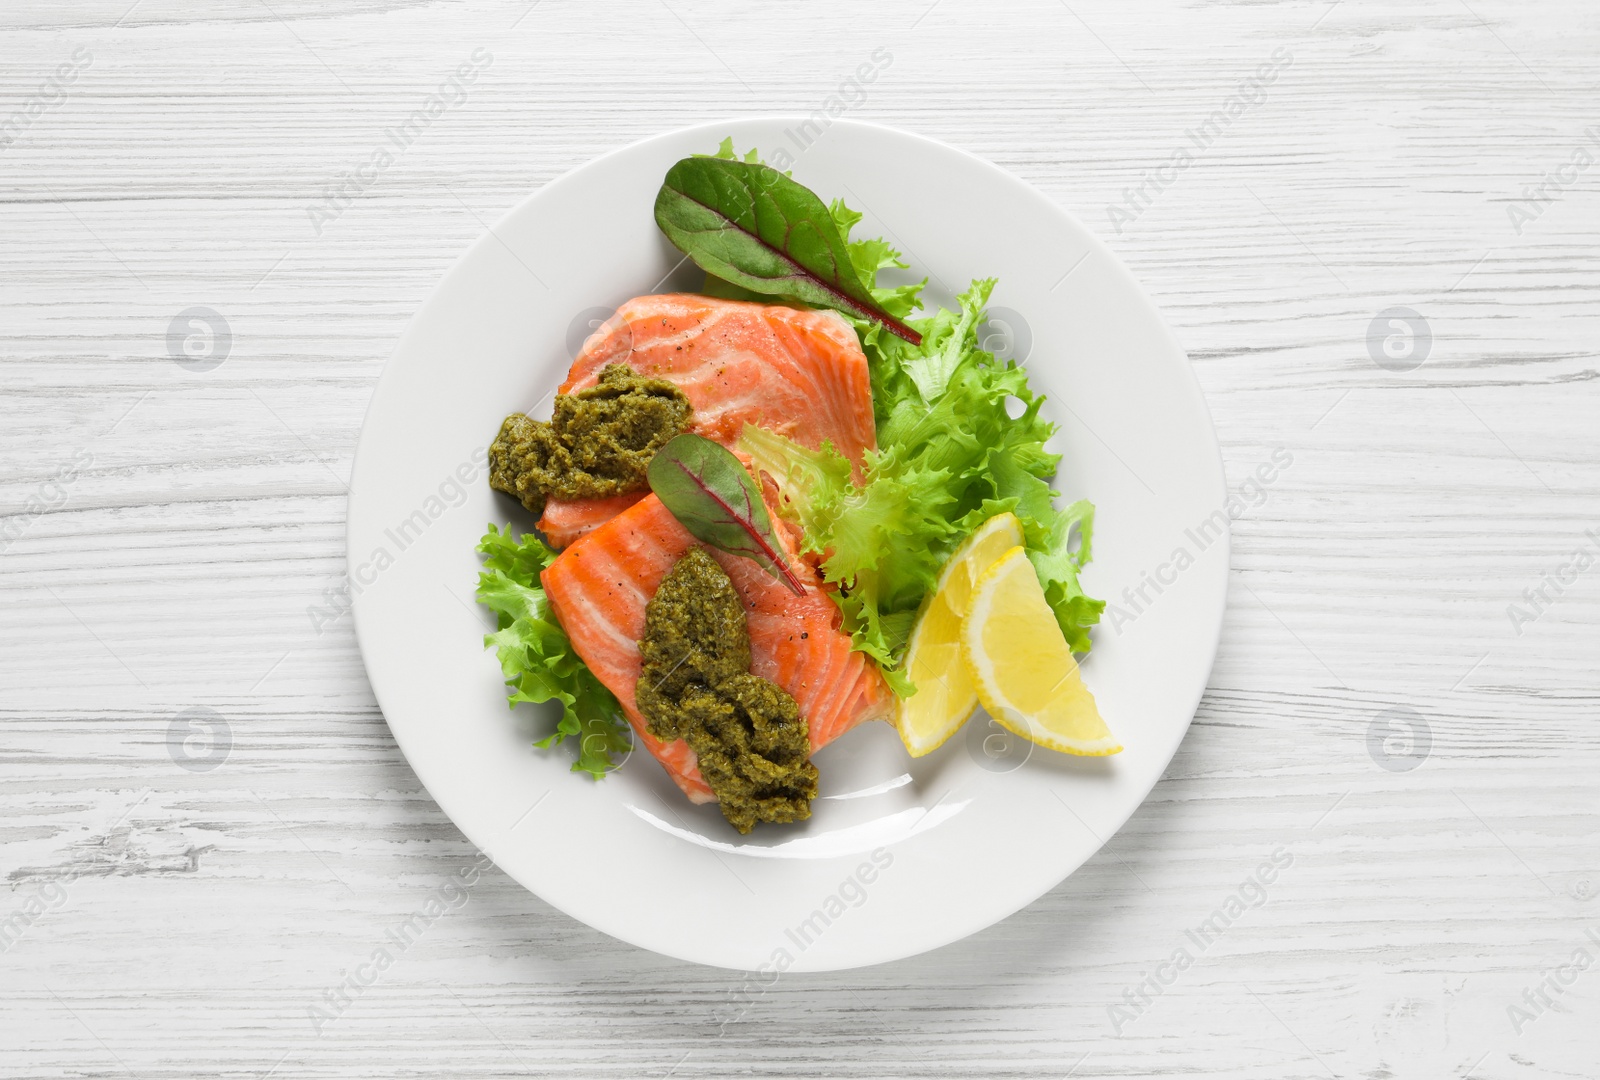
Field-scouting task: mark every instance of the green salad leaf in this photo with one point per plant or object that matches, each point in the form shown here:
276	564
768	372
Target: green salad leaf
1057	566
949	457
754	227
537	658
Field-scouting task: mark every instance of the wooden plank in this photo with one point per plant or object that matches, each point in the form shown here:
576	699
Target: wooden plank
193	919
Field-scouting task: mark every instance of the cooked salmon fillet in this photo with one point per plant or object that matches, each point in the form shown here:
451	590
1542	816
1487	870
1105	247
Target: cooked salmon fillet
599	587
565	520
801	374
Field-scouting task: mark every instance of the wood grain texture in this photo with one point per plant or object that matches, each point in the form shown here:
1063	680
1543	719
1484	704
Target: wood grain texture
191	919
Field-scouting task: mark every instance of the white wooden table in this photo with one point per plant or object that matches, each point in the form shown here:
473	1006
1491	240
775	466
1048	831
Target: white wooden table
182	907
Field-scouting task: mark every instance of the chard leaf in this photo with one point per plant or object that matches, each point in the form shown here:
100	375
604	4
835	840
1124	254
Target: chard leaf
714	497
754	227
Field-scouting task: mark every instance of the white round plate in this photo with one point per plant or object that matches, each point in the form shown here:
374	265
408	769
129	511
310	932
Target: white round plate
899	856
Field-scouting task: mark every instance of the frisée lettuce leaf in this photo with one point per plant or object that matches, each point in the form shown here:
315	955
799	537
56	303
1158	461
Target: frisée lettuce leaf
950	455
536	655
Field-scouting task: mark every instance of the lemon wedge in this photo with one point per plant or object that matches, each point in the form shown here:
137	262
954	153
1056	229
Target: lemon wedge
945	695
1024	672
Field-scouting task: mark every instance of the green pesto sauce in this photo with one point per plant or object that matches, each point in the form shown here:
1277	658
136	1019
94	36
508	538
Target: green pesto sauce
598	442
753	745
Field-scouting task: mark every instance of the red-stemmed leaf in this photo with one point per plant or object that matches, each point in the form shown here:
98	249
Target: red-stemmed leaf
751	225
715	498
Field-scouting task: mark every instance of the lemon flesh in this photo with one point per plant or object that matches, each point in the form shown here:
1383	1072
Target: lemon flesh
1023	671
945	695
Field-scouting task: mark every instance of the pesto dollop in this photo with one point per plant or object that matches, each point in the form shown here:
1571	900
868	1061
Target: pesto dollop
752	743
598	441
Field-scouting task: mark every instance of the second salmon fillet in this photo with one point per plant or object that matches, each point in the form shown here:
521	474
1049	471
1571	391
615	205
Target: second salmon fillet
599	588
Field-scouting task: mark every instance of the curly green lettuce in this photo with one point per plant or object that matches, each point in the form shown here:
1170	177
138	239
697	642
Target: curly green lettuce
949	457
536	656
